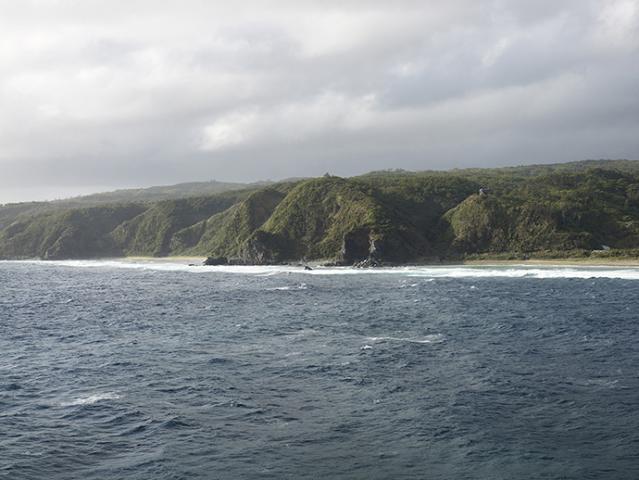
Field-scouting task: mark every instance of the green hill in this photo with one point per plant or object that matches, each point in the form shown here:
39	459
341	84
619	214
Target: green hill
77	233
151	232
14	211
223	234
383	217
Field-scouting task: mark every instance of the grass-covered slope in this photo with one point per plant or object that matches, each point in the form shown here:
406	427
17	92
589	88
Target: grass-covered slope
479	223
223	234
155	194
79	233
151	232
314	217
17	211
590	210
13	212
334	218
107	231
380	217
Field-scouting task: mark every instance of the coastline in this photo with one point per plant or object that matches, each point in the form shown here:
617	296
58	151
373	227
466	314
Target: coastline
611	262
576	262
586	261
181	260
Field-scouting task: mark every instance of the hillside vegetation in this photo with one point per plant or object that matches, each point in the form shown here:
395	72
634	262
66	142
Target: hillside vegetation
577	209
13	211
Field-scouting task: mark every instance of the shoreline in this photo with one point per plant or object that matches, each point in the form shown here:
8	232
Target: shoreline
182	260
484	262
561	262
577	262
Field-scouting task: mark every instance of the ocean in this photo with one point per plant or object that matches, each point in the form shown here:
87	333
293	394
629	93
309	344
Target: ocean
121	370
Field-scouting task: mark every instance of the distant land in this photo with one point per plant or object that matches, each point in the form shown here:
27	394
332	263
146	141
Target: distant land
575	210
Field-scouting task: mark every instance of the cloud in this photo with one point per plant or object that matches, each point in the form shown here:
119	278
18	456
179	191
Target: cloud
129	93
290	123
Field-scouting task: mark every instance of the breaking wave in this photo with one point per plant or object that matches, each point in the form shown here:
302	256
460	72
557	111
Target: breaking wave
434	338
91	399
430	272
286	288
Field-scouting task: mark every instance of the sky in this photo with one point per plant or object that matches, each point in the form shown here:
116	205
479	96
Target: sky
97	95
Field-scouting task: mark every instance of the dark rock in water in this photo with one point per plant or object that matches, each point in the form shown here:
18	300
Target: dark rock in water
306	267
367	263
237	261
362	248
216	261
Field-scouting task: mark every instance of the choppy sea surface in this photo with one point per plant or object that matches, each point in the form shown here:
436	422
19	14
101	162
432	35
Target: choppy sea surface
118	370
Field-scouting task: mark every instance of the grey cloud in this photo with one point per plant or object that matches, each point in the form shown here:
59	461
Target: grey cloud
107	94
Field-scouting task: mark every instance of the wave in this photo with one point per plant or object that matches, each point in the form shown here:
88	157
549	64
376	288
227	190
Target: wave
301	286
524	271
91	399
433	338
426	272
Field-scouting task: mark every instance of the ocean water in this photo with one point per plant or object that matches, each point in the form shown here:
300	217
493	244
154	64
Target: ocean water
113	370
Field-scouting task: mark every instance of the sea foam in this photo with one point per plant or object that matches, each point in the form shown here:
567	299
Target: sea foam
426	272
91	399
286	288
434	338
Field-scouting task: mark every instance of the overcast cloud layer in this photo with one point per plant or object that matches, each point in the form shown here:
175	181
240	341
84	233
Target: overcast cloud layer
102	94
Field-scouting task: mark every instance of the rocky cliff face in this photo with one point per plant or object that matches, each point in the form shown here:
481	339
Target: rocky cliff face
358	245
